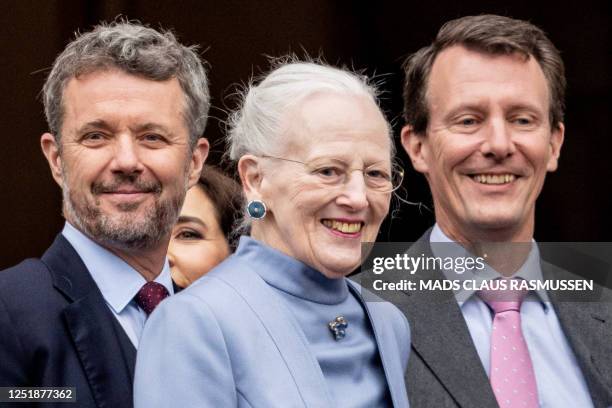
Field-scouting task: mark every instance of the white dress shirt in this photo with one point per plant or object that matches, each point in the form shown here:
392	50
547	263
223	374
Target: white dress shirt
117	280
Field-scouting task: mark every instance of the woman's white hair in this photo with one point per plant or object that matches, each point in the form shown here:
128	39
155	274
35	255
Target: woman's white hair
255	126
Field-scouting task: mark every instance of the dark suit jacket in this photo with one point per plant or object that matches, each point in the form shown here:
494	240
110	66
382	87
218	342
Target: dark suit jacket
56	330
445	371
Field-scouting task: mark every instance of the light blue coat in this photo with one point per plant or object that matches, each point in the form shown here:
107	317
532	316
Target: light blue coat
230	341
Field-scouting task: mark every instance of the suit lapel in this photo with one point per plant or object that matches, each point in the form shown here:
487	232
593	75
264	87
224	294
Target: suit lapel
442	340
101	355
392	366
587	326
286	334
106	354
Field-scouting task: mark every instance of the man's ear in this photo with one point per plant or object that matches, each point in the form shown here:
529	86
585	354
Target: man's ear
249	169
51	150
413	144
556	141
198	157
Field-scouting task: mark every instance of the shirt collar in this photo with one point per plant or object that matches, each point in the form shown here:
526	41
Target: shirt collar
530	270
116	279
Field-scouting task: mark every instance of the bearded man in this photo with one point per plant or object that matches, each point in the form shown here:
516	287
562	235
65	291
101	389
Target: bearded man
126	107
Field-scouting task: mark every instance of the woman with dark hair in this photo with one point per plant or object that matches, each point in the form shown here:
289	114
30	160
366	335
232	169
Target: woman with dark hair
201	238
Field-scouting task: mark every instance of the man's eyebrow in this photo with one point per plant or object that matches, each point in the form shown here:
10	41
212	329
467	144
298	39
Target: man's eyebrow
95	125
103	125
150	126
466	107
187	218
482	107
524	107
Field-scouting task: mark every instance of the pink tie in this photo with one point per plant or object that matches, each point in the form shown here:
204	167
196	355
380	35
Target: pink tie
512	377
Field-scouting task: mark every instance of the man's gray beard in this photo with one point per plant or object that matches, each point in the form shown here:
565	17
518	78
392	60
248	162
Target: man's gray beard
124	232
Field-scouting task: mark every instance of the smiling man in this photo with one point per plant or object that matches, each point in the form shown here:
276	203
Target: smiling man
484	124
126	107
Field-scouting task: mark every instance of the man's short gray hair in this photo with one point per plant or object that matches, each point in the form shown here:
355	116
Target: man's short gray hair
134	49
254	127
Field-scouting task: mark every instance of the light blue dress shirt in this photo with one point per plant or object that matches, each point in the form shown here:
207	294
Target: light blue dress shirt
117	281
558	376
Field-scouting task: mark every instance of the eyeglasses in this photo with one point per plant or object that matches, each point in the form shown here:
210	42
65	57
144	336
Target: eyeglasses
335	172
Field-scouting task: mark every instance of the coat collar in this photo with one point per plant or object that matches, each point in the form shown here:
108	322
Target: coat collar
306	282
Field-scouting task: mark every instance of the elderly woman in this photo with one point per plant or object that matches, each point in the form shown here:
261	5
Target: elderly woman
202	236
277	324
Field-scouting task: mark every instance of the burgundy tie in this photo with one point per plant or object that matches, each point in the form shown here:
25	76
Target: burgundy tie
150	295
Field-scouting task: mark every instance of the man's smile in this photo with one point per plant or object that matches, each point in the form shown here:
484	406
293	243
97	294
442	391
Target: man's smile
495	179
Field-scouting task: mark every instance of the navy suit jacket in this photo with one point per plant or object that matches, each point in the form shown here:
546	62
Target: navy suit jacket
56	330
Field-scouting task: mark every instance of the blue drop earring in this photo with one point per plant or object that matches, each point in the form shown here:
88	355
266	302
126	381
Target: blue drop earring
256	209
